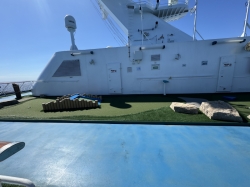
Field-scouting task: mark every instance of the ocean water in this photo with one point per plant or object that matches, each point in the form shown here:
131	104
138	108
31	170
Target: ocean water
7	88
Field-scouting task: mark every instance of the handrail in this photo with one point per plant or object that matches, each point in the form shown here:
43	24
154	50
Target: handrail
161	4
15	82
6	87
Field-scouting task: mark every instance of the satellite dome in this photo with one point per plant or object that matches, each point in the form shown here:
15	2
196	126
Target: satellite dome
70	22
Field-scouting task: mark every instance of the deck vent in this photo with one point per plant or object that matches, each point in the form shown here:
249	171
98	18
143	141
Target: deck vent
68	68
129	69
156	57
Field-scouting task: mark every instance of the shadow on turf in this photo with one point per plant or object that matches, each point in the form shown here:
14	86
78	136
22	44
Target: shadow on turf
121	105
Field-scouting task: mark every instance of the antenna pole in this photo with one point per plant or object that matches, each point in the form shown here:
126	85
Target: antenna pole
195	18
142	32
246	20
73	46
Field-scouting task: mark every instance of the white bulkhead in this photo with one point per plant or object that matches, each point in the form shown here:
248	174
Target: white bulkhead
157	54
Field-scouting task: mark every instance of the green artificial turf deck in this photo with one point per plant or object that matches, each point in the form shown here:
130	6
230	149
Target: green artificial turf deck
130	108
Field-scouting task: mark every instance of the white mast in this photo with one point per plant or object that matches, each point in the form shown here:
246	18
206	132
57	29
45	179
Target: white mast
246	20
195	18
142	32
70	24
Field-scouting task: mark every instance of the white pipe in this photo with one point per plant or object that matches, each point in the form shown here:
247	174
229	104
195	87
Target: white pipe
228	41
153	47
15	180
83	53
246	20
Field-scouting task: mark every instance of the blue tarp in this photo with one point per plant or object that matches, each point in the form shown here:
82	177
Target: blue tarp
85	97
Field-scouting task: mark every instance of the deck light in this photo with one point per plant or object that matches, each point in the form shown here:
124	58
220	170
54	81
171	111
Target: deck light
156	24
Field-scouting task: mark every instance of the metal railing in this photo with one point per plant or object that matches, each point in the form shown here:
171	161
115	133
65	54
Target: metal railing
162	3
7	88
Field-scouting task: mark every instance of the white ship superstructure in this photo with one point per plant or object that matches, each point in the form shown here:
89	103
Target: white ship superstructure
158	58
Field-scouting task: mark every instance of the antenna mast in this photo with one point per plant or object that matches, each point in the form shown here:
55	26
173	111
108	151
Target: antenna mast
194	10
195	18
70	24
246	20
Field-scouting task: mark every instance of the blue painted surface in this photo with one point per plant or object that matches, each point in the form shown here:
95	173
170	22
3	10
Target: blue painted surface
85	97
128	155
74	97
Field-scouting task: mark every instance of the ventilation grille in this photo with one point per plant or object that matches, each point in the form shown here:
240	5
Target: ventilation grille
155	57
68	68
129	69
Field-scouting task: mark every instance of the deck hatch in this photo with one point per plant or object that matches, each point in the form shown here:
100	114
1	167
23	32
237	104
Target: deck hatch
68	68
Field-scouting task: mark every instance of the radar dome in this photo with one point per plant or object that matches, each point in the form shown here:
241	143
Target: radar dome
70	22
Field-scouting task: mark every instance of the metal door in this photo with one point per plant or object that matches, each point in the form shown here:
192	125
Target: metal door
226	73
114	78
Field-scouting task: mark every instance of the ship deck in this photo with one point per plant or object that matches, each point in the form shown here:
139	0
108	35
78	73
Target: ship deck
83	154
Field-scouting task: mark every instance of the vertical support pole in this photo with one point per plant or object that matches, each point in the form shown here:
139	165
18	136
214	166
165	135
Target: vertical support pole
142	32
17	91
157	4
164	86
164	89
195	18
73	46
246	20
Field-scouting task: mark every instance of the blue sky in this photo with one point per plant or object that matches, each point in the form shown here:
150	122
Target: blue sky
32	30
